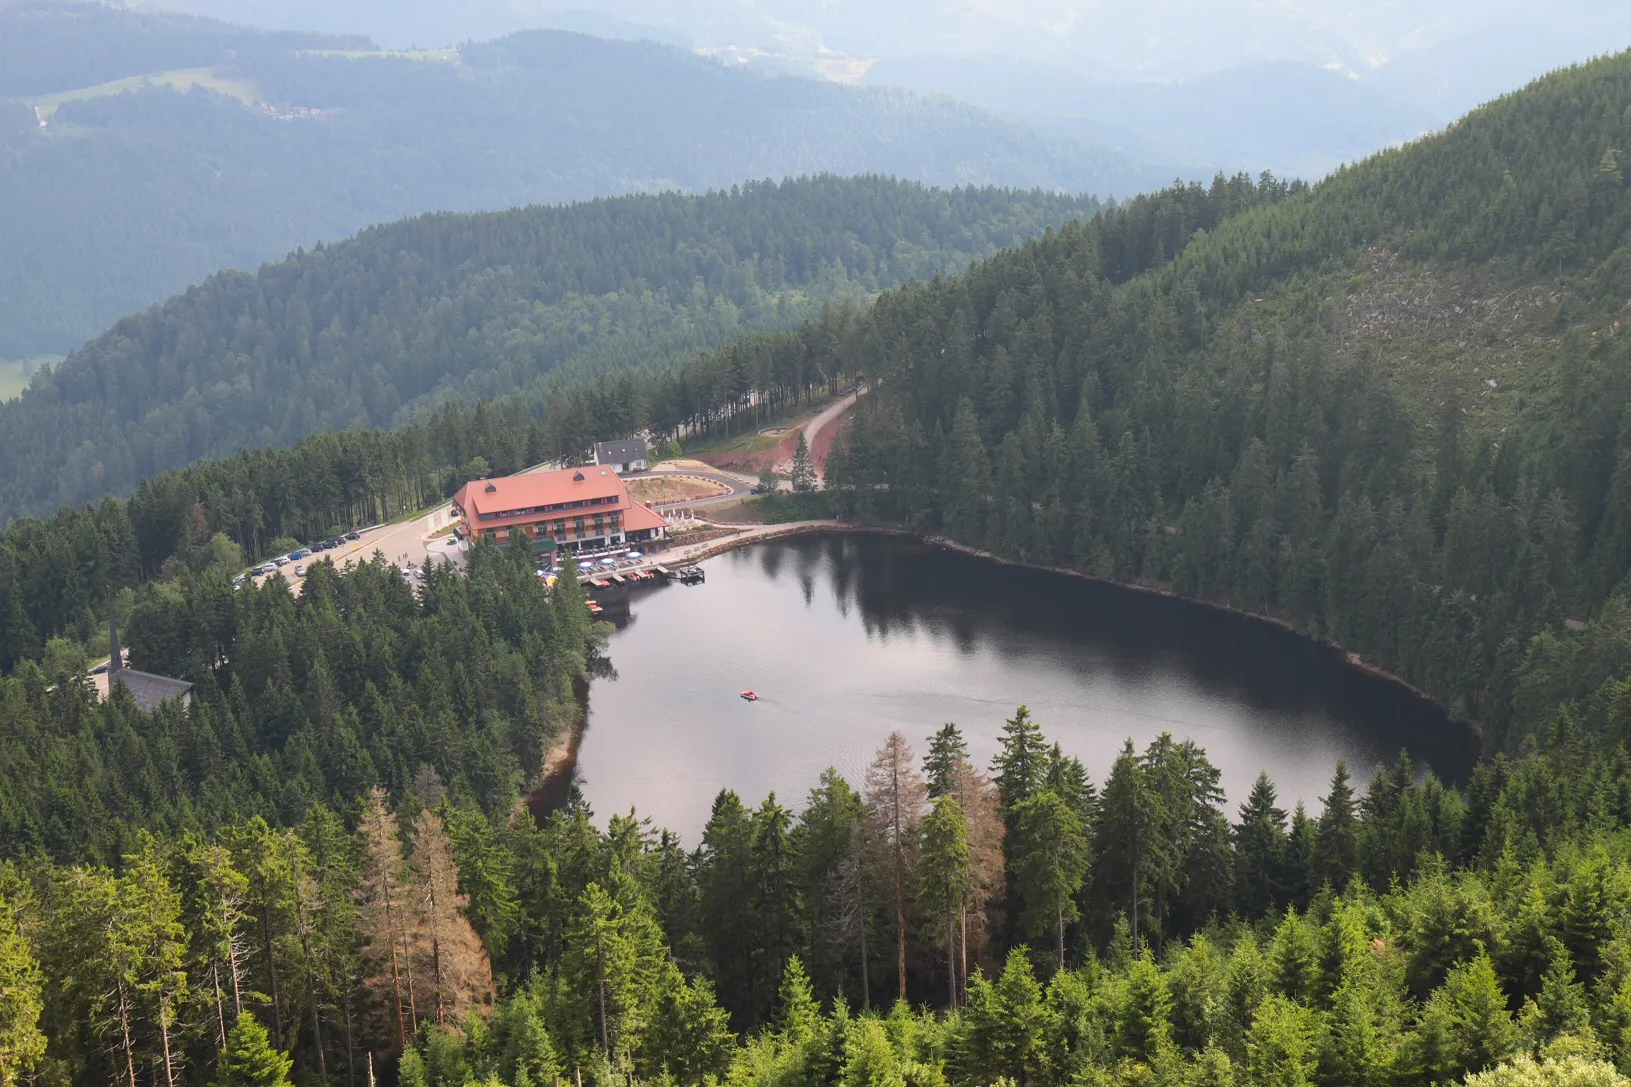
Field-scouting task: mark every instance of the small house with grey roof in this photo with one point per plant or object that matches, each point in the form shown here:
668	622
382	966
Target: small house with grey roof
628	455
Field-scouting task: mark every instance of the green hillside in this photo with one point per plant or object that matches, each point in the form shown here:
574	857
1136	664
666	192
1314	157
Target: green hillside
369	332
1391	410
226	148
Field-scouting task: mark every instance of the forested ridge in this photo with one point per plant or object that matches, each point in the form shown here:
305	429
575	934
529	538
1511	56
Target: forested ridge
1391	410
374	330
280	141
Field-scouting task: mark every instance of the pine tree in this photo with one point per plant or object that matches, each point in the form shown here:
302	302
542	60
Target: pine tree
388	913
948	878
1003	1032
250	1059
1143	1023
895	796
1050	860
22	1043
804	473
1132	851
1561	1008
1337	845
825	840
214	894
725	886
1260	847
946	746
457	973
768	481
1021	766
773	909
1465	1026
1282	1046
977	796
150	928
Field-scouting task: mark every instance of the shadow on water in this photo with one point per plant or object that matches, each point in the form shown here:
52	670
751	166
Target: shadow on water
849	636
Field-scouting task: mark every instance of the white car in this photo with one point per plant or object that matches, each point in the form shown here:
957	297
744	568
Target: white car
300	571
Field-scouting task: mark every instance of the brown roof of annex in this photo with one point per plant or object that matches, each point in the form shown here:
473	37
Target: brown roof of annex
539	489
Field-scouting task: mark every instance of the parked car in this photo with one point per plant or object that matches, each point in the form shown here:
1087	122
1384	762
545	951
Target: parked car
297	555
265	569
300	571
281	560
353	536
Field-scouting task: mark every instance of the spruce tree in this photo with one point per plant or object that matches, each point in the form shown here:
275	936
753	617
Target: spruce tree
1021	766
948	879
1050	860
1336	843
250	1059
1132	851
804	472
22	1044
453	962
1260	847
1282	1046
895	797
946	746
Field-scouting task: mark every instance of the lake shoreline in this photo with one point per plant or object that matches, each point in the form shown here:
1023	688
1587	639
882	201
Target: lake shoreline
1350	658
560	764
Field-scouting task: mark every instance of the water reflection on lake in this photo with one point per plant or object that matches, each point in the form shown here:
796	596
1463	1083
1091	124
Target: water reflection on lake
847	637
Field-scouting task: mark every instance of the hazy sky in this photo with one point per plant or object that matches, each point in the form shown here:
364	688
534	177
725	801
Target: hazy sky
1438	54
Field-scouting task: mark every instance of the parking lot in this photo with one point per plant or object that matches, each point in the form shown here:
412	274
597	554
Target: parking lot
403	544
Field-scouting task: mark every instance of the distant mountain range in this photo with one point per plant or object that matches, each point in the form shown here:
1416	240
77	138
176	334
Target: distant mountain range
141	151
1439	56
1292	118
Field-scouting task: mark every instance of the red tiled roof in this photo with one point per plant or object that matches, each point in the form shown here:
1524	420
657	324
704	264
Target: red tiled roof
637	517
540	489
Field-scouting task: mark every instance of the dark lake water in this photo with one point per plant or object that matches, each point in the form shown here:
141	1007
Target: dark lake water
847	637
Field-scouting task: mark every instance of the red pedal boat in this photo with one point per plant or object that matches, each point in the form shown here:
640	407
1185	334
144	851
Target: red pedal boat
751	696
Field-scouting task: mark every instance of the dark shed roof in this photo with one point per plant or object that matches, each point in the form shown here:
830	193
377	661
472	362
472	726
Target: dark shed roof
149	690
629	449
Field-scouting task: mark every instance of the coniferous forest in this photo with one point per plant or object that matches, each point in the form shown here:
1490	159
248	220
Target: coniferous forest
383	328
1389	410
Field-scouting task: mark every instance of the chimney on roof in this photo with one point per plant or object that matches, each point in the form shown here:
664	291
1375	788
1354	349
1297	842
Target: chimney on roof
116	662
